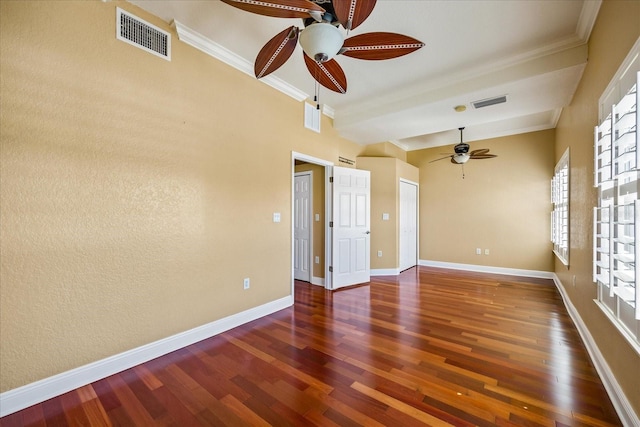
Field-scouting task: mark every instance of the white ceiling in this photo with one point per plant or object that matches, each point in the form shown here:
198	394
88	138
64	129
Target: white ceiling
532	51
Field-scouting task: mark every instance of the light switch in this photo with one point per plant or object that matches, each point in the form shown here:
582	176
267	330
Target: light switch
385	217
276	217
317	217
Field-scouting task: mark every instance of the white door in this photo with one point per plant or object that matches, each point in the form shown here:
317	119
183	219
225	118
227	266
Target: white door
302	226
408	225
351	227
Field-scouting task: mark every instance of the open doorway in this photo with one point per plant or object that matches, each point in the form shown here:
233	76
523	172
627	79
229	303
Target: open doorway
316	251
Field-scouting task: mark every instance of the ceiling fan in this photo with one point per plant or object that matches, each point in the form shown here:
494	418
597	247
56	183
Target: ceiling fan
322	39
462	155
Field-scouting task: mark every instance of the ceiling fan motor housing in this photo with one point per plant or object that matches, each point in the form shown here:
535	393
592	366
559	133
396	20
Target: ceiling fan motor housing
461	148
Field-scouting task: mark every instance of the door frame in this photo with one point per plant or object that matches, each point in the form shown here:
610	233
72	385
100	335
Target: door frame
328	173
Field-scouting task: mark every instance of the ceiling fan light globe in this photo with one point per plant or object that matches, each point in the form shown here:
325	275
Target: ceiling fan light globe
321	41
461	158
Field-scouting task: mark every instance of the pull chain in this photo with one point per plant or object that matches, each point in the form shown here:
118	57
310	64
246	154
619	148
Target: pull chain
316	98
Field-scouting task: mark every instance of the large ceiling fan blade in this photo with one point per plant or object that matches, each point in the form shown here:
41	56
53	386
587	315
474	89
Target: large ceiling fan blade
276	52
352	13
278	8
482	153
442	158
482	156
379	45
479	152
329	74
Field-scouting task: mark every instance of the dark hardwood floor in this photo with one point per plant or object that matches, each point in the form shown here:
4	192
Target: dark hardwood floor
430	347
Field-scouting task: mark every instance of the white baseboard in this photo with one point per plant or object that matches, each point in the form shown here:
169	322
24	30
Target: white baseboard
385	272
488	269
22	397
618	398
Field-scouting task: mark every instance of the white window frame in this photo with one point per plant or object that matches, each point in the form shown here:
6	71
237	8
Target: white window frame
560	213
617	218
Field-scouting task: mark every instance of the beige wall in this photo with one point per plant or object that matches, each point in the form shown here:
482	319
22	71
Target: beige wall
319	209
133	198
384	149
502	204
616	30
386	173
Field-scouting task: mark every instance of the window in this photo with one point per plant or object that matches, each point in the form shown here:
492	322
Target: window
560	213
617	216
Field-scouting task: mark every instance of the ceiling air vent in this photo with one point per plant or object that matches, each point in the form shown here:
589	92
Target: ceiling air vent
489	101
135	31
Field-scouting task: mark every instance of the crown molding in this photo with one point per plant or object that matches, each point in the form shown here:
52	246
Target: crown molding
403	146
328	111
211	48
587	19
221	53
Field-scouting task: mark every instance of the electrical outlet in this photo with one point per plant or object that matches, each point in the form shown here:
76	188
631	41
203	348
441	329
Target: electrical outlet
486	251
246	283
379	254
478	251
317	260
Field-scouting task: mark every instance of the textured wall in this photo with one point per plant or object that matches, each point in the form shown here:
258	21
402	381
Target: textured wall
136	193
385	198
616	30
384	149
502	204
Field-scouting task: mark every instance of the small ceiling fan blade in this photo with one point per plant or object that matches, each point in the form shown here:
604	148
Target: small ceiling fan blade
442	158
479	152
482	156
329	74
352	13
379	45
276	52
278	8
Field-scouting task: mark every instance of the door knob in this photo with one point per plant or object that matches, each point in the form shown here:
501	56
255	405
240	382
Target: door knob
367	232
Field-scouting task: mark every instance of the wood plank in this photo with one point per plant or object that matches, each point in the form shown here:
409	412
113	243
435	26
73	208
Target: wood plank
401	406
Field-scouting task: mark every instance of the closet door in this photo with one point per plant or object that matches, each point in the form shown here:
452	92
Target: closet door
408	239
302	226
